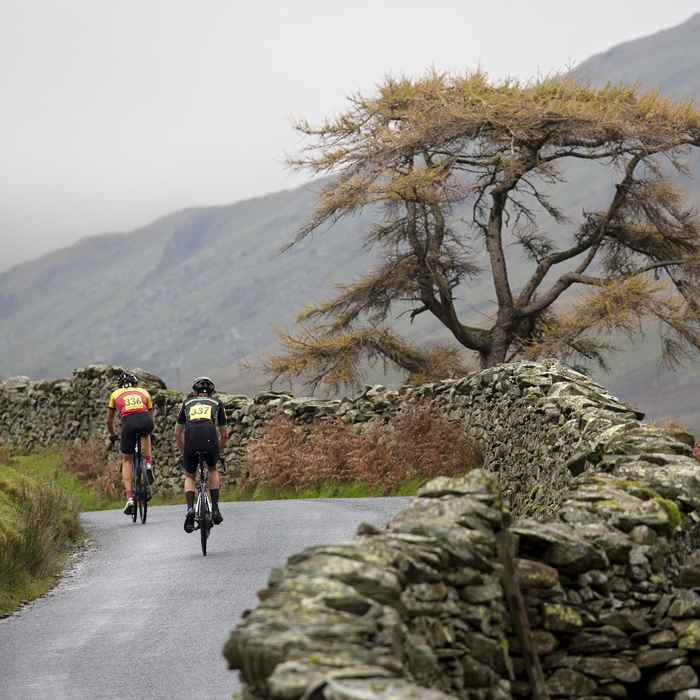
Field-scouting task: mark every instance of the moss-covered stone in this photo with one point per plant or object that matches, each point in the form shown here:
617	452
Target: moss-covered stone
561	618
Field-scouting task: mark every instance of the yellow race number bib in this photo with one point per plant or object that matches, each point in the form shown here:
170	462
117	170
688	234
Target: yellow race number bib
200	411
133	402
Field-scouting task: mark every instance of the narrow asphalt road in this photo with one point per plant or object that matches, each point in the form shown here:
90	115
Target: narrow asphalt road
143	615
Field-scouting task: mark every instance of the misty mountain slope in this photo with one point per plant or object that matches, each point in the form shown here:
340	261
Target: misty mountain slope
195	290
670	58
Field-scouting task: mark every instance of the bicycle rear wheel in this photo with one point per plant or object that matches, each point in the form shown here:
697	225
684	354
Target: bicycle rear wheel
135	488
142	489
204	519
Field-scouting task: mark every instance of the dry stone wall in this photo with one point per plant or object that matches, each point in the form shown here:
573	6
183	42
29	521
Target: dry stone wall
53	414
416	610
536	422
605	512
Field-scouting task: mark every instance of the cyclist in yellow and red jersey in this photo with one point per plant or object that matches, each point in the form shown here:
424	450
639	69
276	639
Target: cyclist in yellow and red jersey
136	410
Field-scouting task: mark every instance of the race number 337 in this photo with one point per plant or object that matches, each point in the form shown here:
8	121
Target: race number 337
199	411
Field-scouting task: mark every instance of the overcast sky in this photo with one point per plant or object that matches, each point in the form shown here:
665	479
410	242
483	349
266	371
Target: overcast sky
116	112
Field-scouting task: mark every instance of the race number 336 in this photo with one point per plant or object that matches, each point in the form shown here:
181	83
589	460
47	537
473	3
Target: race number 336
133	401
199	411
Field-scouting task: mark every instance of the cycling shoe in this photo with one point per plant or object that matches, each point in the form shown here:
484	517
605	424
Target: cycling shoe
189	520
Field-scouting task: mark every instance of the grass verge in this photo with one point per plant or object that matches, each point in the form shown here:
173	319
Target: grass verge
39	526
51	466
328	488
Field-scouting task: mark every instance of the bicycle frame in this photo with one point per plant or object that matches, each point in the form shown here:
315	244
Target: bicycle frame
202	486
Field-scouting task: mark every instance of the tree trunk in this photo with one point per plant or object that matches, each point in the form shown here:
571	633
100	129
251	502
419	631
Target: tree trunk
494	357
500	339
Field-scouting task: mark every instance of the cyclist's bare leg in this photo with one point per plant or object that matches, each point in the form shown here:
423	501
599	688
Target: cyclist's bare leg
127	471
214	493
189	495
146	445
213	479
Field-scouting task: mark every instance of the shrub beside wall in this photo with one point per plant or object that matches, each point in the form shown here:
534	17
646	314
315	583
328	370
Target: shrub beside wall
420	442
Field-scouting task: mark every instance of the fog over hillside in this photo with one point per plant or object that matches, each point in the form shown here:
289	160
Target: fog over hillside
197	289
183	296
669	58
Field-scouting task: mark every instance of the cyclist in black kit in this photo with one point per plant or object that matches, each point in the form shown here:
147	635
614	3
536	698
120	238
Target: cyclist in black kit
196	431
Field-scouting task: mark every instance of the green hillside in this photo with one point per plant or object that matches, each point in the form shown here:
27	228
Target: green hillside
195	290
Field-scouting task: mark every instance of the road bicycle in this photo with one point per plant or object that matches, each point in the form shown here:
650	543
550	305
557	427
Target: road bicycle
141	487
202	510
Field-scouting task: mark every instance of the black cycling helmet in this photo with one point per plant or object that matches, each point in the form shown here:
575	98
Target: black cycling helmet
203	384
127	379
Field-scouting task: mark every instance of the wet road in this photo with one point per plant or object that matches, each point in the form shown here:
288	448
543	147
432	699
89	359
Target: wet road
143	615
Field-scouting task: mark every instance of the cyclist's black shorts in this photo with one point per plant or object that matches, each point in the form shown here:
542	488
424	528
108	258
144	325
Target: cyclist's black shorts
132	422
201	438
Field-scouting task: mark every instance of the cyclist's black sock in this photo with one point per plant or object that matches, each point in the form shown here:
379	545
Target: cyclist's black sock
214	499
189	495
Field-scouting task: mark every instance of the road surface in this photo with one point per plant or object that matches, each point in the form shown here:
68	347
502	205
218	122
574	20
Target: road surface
143	615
